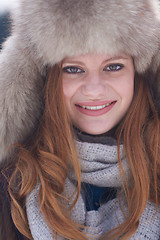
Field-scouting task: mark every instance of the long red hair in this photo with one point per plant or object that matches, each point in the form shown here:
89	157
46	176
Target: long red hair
51	151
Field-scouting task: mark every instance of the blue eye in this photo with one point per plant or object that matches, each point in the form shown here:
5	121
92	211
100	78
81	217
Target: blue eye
113	67
72	70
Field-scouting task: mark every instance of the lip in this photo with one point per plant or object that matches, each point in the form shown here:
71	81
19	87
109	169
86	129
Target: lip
98	112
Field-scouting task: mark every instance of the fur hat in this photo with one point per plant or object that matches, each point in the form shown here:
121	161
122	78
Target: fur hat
45	32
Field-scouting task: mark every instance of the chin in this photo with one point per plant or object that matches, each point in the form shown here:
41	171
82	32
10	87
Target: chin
110	131
98	132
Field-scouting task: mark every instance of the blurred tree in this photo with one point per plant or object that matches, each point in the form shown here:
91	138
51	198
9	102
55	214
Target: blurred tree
4	27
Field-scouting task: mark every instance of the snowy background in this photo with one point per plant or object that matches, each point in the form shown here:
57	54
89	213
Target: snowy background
7	5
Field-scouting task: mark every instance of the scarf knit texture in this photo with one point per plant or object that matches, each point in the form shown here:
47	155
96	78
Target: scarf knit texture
99	166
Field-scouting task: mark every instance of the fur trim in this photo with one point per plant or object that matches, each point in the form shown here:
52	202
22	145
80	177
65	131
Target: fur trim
59	28
45	32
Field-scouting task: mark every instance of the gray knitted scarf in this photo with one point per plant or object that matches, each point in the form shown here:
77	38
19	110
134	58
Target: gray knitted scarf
99	167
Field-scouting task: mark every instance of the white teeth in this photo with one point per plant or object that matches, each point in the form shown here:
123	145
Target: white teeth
95	107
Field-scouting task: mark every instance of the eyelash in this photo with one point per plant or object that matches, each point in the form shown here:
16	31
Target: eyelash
78	70
68	70
118	67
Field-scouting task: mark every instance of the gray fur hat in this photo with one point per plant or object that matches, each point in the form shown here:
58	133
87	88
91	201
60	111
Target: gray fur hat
46	31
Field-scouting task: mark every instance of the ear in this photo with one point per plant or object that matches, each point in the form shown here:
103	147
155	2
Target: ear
21	82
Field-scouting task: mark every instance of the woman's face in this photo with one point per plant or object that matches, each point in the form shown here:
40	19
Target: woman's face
98	90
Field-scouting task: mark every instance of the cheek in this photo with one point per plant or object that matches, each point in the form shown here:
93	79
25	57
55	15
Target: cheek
125	88
129	89
67	90
71	89
67	97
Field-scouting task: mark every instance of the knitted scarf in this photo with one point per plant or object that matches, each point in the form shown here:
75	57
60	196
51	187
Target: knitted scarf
99	166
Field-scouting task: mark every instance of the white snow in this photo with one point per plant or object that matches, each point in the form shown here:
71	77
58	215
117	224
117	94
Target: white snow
7	5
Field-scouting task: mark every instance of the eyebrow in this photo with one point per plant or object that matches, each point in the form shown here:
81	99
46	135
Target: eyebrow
70	61
116	58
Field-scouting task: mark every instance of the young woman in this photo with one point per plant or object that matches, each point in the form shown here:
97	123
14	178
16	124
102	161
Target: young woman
79	124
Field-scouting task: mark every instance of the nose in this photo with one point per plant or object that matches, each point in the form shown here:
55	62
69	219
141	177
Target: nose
94	86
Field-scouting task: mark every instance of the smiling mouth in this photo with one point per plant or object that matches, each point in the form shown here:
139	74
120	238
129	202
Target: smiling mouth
94	108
